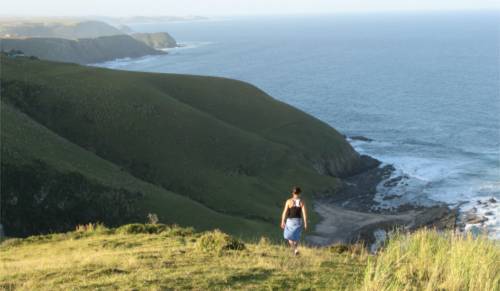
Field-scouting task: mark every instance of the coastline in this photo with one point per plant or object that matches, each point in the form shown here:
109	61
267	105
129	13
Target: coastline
350	215
442	157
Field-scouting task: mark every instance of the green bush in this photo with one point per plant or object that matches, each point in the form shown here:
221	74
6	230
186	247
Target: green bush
217	241
92	228
136	228
168	230
179	231
339	248
264	241
11	242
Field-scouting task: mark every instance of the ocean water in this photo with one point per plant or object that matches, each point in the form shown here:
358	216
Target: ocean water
424	87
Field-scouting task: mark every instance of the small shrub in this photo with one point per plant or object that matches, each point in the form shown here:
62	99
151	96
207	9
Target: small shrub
137	228
11	242
358	249
92	227
339	248
159	228
133	228
216	242
153	218
179	231
155	228
264	241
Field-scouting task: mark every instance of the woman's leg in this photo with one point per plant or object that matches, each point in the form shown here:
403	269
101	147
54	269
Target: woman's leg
294	245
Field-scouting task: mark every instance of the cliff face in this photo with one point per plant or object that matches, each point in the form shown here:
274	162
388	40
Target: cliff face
83	51
157	40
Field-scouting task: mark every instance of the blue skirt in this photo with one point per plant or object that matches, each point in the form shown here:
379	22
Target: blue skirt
293	229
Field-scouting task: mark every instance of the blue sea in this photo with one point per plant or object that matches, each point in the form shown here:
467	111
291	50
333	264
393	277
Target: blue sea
424	86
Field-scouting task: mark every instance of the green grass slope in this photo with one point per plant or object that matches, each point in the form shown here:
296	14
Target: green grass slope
69	28
159	257
26	144
83	50
221	145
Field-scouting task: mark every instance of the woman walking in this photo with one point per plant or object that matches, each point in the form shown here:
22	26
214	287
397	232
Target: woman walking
293	218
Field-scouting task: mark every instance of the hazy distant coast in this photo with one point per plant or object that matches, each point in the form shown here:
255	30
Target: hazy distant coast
84	42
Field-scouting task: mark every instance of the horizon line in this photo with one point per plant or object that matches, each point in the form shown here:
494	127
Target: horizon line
384	11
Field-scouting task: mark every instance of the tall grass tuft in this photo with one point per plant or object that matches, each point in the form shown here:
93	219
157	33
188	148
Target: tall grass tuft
91	227
429	260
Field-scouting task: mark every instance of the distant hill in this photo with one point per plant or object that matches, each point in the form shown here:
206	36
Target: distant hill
157	40
86	144
83	51
125	29
152	19
60	29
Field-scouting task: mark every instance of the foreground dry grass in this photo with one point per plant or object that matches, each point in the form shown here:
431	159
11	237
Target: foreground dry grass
138	257
427	260
168	260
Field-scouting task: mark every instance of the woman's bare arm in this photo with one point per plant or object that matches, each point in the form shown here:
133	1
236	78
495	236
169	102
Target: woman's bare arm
283	215
304	215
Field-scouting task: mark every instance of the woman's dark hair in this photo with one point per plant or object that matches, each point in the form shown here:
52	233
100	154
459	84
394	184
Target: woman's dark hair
296	190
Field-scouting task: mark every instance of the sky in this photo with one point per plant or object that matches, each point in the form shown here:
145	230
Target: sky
227	7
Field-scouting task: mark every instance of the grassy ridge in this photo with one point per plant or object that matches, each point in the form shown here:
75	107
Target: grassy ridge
159	257
61	28
174	259
82	51
25	141
214	144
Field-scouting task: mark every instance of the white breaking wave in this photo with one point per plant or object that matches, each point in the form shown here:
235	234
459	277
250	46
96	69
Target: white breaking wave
128	62
425	181
187	45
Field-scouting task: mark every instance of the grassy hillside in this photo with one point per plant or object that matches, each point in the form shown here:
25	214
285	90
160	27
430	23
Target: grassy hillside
69	29
158	257
83	51
41	169
200	151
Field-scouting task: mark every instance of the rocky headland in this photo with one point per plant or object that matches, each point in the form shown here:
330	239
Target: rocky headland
82	42
156	40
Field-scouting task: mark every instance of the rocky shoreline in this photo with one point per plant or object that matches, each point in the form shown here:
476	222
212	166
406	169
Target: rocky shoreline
476	218
352	215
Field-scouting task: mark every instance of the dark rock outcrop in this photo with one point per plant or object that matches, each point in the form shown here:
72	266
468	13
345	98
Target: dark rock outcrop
361	138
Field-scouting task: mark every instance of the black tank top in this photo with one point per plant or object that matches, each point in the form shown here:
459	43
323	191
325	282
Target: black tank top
296	210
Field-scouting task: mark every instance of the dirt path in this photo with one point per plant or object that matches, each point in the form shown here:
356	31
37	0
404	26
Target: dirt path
341	225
